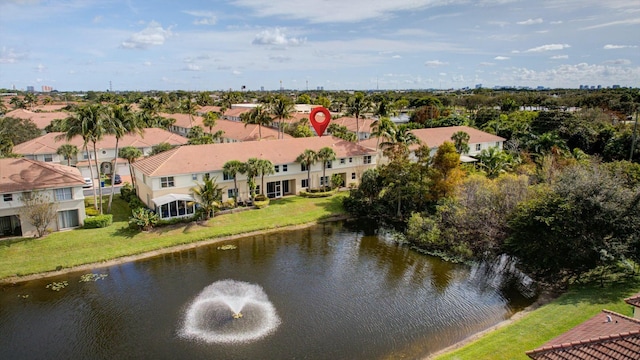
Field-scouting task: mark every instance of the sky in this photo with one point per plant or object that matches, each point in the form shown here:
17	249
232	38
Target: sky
197	45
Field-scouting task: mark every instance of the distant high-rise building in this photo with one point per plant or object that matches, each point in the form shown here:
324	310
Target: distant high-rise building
46	88
478	86
320	88
30	89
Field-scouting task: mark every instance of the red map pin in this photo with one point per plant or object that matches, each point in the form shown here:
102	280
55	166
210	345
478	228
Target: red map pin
320	126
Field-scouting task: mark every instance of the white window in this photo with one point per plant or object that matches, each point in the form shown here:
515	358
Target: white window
194	177
231	193
324	181
329	164
7	197
68	219
277	168
343	160
305	183
48	158
226	176
478	147
353	176
366	159
64	194
497	144
284	168
167	181
350	160
303	167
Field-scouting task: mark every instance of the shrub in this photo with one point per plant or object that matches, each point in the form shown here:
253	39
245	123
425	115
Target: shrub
127	192
143	219
99	221
336	181
260	197
261	201
91	211
136	203
316	193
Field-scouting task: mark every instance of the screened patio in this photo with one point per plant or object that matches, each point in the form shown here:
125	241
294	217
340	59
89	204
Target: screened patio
172	206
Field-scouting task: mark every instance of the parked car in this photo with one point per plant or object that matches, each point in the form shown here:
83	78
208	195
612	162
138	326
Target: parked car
88	183
117	179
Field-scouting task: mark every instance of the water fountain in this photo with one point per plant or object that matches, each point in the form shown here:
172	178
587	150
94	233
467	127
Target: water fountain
230	311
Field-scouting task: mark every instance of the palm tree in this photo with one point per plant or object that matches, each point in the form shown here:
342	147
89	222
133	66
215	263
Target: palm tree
231	169
189	107
30	99
325	155
281	108
399	141
251	169
123	122
210	120
495	161
357	105
257	116
306	159
131	154
461	141
208	195
384	128
88	121
68	151
264	167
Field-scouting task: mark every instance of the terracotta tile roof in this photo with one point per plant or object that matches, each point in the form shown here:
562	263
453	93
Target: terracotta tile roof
41	119
607	335
22	174
236	112
238	131
206	109
634	300
434	137
203	158
47	144
350	123
183	120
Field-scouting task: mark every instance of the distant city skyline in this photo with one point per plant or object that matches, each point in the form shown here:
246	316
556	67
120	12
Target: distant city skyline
127	45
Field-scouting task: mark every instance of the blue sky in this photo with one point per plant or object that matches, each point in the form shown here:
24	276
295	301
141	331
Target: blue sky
337	44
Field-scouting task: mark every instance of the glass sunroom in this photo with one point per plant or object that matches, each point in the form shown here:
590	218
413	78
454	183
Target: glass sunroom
173	206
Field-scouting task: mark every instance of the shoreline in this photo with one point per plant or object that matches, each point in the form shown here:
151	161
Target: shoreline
13	280
544	298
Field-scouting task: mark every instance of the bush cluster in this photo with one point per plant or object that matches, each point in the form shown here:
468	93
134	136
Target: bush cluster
99	221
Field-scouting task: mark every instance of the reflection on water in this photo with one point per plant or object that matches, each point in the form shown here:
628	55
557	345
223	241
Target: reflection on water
341	292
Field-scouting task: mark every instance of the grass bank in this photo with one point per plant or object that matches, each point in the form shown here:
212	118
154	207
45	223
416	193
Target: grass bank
580	303
68	249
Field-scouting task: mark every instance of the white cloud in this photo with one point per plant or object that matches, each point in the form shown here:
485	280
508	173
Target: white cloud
559	57
530	22
192	67
435	63
279	58
614	23
40	68
501	58
147	63
236	72
10	56
98	19
202	17
153	34
276	37
618	62
549	47
614	47
339	11
556	22
396	57
485	63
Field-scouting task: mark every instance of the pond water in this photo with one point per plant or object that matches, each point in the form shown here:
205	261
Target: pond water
331	291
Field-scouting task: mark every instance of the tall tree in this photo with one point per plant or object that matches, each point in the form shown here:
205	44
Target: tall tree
251	169
307	159
231	169
281	108
68	151
325	155
131	154
399	140
258	116
445	171
264	167
208	194
383	128
461	141
88	121
357	105
210	120
123	122
189	107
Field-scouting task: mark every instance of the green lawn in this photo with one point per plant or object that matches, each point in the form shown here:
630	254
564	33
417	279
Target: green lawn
549	321
84	246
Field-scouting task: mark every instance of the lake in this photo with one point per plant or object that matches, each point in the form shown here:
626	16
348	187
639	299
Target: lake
331	291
